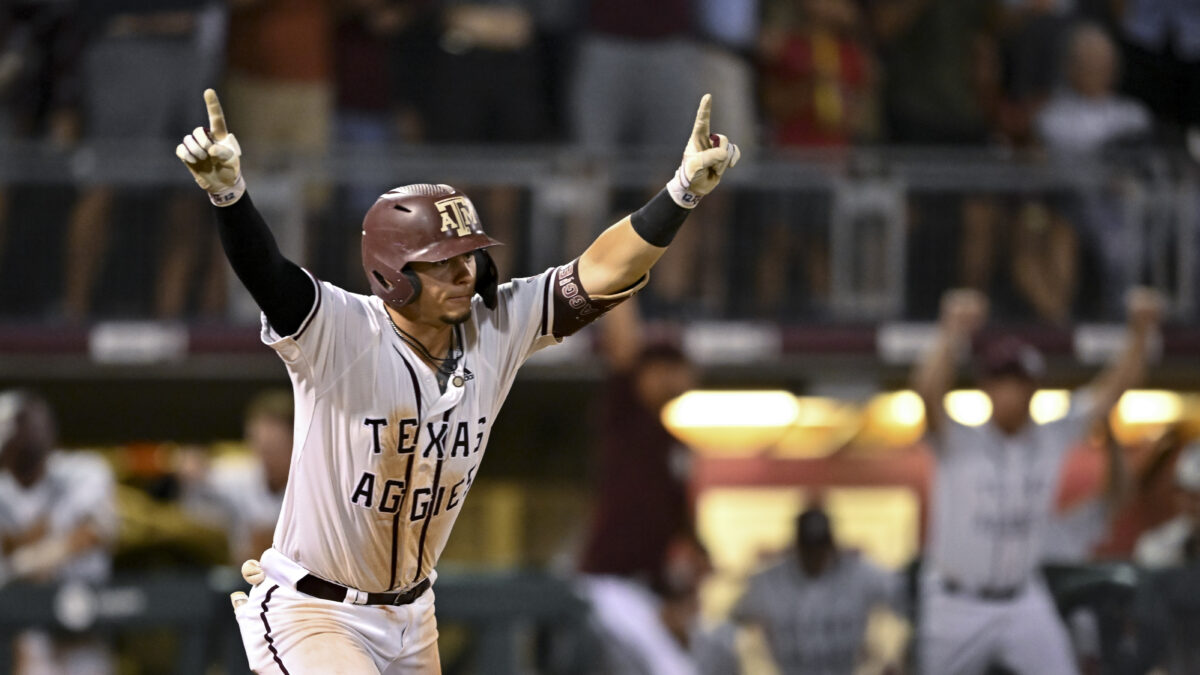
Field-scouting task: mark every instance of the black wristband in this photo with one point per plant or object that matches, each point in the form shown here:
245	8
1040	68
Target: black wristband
659	220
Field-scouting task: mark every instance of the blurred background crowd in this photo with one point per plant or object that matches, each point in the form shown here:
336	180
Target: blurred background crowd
1043	152
1061	126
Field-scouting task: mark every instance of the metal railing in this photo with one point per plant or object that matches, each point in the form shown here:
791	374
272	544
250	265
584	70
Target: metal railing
1135	213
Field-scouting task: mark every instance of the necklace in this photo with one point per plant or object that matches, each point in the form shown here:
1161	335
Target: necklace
444	367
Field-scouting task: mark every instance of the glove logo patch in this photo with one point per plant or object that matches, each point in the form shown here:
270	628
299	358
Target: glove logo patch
458	215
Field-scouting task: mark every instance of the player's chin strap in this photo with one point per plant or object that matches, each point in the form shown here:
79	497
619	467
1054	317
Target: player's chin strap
487	277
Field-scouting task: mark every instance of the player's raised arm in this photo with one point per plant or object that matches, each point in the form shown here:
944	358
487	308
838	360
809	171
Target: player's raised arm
282	290
963	312
1144	312
626	251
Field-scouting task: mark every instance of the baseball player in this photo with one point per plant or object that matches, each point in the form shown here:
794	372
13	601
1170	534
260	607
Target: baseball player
1178	540
814	603
982	599
57	522
244	495
396	394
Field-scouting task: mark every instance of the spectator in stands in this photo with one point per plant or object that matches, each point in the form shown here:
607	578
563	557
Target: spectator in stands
379	92
487	86
1161	40
1088	114
729	32
164	52
1031	47
280	88
1042	278
1177	541
245	494
942	87
1084	118
942	69
379	96
57	523
818	77
636	64
40	46
819	88
280	84
814	603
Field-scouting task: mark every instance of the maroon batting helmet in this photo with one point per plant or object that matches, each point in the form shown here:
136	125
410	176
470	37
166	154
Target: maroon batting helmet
422	223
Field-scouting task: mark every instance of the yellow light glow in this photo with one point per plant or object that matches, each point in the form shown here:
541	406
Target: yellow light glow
708	409
818	411
892	419
969	407
731	421
906	408
1049	405
1146	406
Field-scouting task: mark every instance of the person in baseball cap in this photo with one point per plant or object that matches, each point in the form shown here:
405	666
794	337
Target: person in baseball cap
1009	371
812	604
1176	541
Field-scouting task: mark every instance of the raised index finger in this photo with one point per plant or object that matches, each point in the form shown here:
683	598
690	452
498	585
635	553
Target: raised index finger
700	130
216	116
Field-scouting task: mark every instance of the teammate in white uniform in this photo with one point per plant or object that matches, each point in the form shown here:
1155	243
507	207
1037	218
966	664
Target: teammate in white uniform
241	494
814	603
1178	540
57	523
983	601
396	394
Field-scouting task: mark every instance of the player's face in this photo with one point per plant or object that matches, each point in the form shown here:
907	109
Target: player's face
447	287
1010	396
25	451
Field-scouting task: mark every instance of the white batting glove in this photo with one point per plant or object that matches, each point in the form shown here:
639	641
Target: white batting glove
252	572
212	156
704	160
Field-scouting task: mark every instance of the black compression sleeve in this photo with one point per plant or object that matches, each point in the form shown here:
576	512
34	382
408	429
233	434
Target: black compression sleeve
659	220
282	290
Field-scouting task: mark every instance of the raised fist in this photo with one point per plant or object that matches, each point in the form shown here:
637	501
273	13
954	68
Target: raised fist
1143	307
964	310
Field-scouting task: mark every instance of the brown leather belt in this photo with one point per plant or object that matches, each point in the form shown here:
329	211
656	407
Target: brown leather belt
327	590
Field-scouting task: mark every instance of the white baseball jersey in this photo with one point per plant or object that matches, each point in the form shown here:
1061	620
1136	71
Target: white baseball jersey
993	496
1070	536
382	459
235	494
1164	545
76	490
816	626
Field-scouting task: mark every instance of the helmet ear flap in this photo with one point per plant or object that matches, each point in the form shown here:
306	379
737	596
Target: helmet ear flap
414	281
486	278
